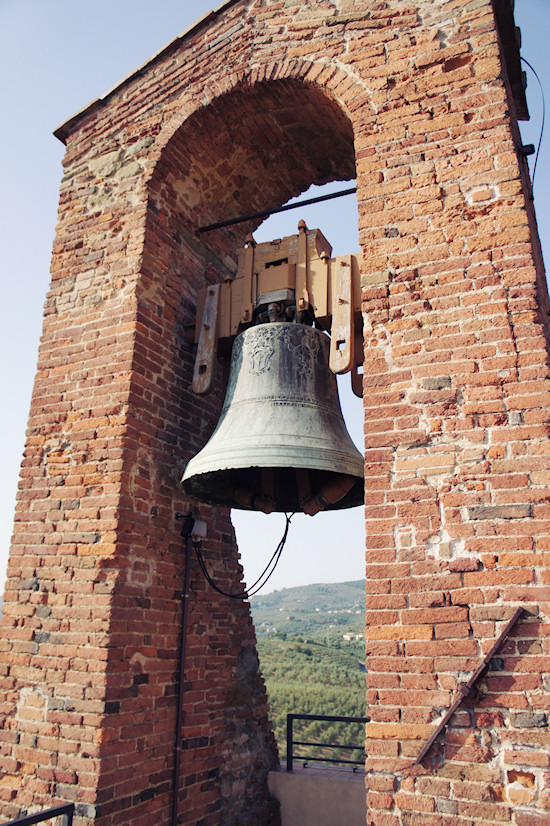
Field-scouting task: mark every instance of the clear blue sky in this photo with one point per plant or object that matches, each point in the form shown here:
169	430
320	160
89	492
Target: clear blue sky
55	57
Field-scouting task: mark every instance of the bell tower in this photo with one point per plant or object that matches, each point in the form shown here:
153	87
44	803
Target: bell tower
419	101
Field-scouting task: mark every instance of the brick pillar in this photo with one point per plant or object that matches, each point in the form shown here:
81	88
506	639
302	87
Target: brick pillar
240	113
92	611
93	604
456	424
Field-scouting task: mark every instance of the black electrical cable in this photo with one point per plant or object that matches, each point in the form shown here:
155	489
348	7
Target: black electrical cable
187	533
262	579
258	584
543	118
242	594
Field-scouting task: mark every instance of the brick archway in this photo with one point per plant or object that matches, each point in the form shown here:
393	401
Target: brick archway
254	146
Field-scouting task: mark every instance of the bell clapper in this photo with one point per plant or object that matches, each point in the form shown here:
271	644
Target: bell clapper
329	494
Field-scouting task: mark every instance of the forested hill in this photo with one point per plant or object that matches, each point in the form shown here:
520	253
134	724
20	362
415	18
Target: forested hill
312	654
317	612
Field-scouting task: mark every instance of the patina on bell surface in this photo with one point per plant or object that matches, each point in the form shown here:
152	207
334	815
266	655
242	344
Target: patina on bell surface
281	442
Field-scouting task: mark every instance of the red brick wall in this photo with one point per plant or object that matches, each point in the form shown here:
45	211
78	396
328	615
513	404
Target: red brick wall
242	113
456	408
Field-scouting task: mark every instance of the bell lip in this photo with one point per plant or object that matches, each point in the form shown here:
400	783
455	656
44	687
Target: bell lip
194	487
274	457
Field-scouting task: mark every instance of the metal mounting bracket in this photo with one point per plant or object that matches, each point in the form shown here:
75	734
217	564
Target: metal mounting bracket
203	373
466	688
298	272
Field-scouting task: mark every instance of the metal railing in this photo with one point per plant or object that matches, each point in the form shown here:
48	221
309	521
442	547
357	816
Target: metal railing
350	747
66	811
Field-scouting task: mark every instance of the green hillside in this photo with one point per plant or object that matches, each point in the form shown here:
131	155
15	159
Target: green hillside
323	612
308	666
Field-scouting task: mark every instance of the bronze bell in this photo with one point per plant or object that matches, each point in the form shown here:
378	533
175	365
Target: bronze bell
281	443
